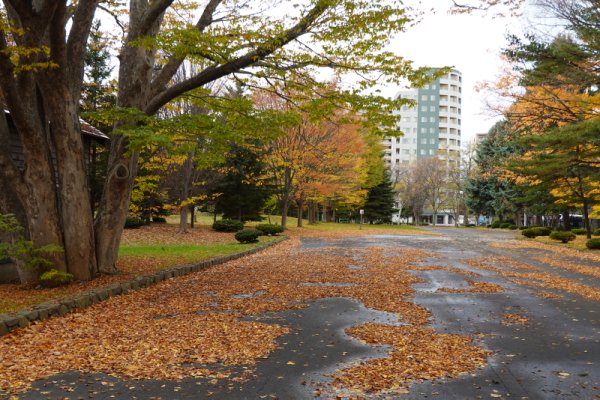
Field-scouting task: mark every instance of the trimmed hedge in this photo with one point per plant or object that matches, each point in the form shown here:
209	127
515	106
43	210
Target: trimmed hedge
513	227
55	278
563	236
228	225
505	225
269	229
248	235
134	223
495	224
596	232
536	231
579	231
593	244
159	220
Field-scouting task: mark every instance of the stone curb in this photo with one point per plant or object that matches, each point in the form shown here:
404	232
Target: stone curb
39	312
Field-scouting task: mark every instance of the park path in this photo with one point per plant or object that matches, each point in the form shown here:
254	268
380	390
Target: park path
539	320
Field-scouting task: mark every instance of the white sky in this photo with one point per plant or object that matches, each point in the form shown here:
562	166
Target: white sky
470	43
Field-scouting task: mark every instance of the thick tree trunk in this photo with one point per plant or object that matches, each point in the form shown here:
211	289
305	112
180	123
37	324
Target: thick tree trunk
113	209
74	194
135	78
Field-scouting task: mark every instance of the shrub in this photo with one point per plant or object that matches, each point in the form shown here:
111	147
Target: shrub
522	228
269	229
159	220
248	235
593	244
505	225
542	230
228	225
579	231
529	233
470	225
596	232
134	222
563	236
495	225
513	227
17	248
54	278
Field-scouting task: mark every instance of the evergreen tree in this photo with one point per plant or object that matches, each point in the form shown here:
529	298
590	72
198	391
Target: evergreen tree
380	202
243	191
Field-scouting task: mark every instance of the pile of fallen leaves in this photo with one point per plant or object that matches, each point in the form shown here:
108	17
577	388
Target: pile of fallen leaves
180	327
525	274
418	354
515	319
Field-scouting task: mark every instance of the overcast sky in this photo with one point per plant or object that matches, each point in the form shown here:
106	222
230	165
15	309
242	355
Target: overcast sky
470	43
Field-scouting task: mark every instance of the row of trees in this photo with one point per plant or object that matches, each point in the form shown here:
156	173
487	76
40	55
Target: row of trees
544	158
323	160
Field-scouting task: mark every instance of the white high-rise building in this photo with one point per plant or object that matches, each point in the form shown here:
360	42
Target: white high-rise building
432	127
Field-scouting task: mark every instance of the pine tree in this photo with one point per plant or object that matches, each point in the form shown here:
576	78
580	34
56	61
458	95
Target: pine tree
380	202
243	192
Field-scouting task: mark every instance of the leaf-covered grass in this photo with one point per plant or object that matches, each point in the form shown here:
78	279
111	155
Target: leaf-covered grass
578	243
134	260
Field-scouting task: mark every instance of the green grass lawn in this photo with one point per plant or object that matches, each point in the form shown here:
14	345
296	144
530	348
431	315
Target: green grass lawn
169	255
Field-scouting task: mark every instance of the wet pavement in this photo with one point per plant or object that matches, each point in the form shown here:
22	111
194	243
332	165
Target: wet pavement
556	355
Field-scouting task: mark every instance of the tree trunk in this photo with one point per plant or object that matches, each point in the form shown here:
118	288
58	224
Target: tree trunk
73	188
567	220
300	211
586	219
192	216
285	204
183	217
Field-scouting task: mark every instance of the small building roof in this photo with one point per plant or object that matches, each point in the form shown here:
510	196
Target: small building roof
86	128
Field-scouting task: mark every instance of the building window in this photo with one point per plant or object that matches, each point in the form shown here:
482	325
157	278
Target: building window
423	140
423	108
423	130
424	97
440	219
432	108
423	152
431	119
431	130
431	152
405	151
423	119
397	151
432	97
405	140
432	141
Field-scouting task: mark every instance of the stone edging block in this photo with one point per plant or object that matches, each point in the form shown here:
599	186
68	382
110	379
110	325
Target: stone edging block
42	311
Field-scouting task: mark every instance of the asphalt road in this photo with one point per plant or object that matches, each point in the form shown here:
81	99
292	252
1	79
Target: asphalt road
555	356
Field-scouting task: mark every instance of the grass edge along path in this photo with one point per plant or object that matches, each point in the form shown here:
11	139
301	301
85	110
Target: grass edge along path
10	322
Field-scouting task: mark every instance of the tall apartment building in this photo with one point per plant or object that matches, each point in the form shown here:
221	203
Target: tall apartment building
430	128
